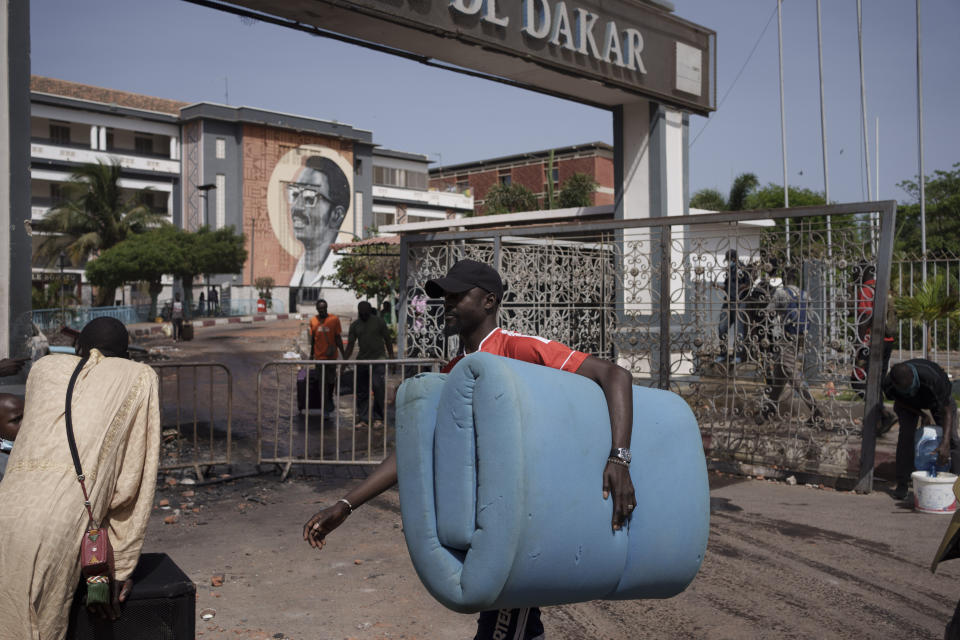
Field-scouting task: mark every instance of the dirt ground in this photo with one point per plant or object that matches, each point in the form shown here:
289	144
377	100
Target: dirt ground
782	561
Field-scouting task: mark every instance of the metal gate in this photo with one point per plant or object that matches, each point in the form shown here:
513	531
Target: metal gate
315	412
196	412
650	295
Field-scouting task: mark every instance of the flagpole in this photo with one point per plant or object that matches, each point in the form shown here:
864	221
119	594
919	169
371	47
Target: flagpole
863	118
783	120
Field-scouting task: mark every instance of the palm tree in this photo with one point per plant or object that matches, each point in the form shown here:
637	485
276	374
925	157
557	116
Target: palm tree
743	185
94	218
931	303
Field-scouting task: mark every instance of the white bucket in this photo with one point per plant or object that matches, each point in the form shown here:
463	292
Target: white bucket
934	495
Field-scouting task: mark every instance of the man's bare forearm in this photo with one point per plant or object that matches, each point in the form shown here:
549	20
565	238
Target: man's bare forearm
617	386
382	478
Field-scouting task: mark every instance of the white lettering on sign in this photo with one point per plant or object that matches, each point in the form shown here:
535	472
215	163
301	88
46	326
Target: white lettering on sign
536	18
469	7
561	27
634	47
585	39
473	7
611	45
569	28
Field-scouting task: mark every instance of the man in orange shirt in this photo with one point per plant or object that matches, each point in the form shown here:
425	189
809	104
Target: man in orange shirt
325	335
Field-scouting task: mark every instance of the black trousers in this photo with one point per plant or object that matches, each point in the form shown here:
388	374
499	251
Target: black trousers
509	624
177	328
327	373
367	375
909	419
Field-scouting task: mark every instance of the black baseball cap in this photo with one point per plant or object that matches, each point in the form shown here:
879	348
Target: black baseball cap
466	275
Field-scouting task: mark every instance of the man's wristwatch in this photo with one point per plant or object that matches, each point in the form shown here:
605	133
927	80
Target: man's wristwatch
621	454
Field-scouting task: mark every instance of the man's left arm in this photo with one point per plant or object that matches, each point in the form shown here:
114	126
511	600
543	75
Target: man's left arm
949	416
385	332
617	385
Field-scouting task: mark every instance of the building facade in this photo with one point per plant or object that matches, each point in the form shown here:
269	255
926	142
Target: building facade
533	171
293	185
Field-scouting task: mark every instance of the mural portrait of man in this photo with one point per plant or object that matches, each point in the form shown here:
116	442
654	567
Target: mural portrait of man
318	200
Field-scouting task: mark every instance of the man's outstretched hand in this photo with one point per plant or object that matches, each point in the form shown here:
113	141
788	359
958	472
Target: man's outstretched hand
616	480
323	522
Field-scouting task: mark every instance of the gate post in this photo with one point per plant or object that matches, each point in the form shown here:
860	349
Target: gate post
873	401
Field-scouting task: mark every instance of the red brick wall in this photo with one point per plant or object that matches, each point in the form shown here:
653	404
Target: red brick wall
262	149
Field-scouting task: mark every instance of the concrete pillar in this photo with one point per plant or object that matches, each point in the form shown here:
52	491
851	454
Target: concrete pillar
103	138
15	247
94	136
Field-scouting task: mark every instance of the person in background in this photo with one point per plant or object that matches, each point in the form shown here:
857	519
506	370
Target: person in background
176	316
916	386
214	301
371	333
736	285
325	335
202	305
788	313
386	312
11	414
116	423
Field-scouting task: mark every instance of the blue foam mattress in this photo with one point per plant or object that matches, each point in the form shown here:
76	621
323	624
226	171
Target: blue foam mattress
500	469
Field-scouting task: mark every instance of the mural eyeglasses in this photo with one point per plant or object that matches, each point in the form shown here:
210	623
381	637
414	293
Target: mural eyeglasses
307	193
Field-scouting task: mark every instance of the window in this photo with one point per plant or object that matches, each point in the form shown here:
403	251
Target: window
383	219
56	194
109	139
387	177
148	199
143	144
463	183
59	133
221	148
417	180
505	178
221	182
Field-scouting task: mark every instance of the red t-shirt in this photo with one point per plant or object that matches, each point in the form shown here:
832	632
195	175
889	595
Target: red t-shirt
324	334
529	349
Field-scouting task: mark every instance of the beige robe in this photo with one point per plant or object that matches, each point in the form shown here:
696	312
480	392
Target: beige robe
116	421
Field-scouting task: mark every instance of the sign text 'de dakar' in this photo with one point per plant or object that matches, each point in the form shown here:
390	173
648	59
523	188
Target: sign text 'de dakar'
622	43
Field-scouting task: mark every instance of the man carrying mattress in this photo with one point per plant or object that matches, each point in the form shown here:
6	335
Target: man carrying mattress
472	292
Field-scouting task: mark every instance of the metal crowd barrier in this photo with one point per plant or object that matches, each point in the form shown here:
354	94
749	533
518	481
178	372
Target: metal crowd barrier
296	423
193	399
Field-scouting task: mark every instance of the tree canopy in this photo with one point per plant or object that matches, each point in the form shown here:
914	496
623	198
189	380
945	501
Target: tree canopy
145	257
741	190
167	250
942	192
509	198
370	271
95	216
576	191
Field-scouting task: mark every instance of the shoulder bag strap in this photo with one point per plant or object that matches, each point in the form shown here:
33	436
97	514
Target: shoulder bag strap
68	414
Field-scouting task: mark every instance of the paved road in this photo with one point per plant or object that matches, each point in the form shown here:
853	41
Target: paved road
782	561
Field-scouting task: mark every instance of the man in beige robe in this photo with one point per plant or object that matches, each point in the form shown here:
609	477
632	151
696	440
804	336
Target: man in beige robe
116	422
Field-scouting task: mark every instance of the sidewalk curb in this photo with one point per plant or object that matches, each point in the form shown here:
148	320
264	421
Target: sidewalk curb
213	322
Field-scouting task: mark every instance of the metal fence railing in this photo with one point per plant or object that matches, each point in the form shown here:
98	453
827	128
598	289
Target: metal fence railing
196	411
77	317
687	303
246	307
943	336
330	411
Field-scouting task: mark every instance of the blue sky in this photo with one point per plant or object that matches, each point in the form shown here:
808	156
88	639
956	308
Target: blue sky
174	49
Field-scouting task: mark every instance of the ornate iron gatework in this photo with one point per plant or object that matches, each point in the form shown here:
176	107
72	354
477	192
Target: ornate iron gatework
760	320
